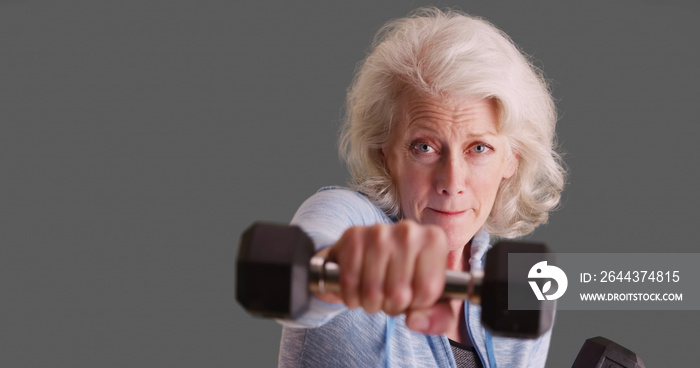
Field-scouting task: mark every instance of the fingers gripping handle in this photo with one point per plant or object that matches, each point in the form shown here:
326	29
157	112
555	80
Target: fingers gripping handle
324	276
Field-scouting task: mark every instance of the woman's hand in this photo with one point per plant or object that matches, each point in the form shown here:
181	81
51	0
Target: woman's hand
396	269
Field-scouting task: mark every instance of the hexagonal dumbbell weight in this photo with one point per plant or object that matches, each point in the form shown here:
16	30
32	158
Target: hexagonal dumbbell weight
599	352
277	274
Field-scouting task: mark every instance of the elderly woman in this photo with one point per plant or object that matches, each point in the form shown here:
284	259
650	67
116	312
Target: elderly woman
449	137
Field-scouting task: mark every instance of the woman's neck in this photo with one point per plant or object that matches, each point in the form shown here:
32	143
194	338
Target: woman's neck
458	259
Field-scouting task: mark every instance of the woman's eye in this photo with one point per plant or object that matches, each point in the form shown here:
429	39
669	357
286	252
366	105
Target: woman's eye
480	148
423	148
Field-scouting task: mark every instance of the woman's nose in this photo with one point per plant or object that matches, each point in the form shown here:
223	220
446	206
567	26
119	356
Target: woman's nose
452	176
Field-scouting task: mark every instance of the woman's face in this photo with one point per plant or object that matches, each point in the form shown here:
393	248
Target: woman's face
447	161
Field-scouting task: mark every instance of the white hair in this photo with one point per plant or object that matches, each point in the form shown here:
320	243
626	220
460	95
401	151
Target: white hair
445	54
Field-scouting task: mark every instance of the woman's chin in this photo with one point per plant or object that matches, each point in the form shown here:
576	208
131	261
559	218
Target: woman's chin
459	228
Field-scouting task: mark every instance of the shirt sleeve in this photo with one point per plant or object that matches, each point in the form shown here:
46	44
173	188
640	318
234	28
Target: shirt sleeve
324	217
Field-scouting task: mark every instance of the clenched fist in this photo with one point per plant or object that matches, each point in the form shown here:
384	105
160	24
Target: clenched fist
396	269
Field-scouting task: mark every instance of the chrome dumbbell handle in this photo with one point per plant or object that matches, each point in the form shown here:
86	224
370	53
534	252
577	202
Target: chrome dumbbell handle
324	276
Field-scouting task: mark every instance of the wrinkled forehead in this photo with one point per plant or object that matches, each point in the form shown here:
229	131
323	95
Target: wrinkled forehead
412	107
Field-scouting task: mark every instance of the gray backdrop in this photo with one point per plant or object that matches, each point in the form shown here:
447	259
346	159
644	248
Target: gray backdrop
139	138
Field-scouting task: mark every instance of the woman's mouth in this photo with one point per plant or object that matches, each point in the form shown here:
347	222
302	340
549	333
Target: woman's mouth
448	212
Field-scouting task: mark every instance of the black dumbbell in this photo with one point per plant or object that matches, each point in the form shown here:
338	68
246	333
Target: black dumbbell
277	274
599	352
